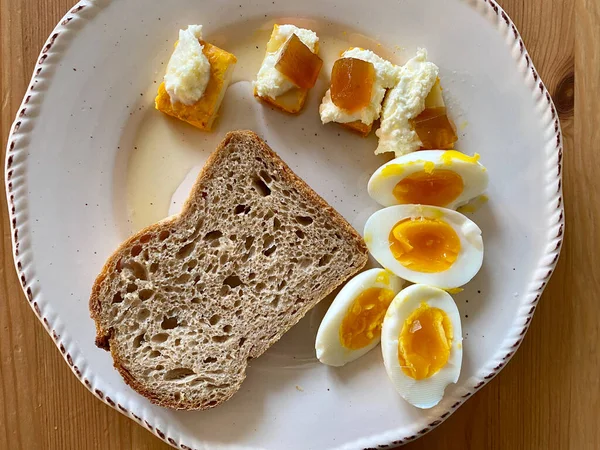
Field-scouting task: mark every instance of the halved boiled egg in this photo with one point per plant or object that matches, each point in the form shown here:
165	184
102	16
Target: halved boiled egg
425	244
430	177
352	325
421	342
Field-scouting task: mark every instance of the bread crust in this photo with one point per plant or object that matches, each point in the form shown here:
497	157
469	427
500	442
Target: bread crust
105	337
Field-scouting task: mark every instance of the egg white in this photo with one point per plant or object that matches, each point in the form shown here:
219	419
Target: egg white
329	349
474	175
427	392
469	258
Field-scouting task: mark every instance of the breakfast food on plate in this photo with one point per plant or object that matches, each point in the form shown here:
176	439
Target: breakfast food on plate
429	177
197	77
290	68
185	303
359	80
352	325
403	104
425	244
433	126
421	343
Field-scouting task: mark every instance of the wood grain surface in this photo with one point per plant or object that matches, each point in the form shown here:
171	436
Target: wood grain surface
548	397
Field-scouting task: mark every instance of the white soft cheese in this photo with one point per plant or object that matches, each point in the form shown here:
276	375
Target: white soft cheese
188	70
269	81
385	77
404	102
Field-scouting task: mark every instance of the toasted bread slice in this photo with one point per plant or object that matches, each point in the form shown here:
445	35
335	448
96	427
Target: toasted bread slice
203	113
183	304
293	100
358	127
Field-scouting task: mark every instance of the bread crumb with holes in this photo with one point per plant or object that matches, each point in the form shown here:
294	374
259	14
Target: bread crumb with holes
185	303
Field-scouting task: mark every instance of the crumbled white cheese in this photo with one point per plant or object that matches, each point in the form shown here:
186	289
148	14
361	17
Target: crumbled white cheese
404	102
188	70
385	77
269	81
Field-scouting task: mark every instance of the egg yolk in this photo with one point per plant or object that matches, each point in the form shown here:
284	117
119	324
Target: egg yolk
451	155
424	342
424	244
437	187
362	323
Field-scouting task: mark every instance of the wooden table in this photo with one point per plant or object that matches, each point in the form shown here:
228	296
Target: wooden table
548	397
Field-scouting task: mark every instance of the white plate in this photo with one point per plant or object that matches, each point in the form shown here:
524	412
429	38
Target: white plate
73	178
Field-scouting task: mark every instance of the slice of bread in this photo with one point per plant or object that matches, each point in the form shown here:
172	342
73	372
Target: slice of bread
185	303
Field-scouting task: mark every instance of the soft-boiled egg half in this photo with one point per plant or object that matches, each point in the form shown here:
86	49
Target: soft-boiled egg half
352	325
430	177
421	342
425	244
